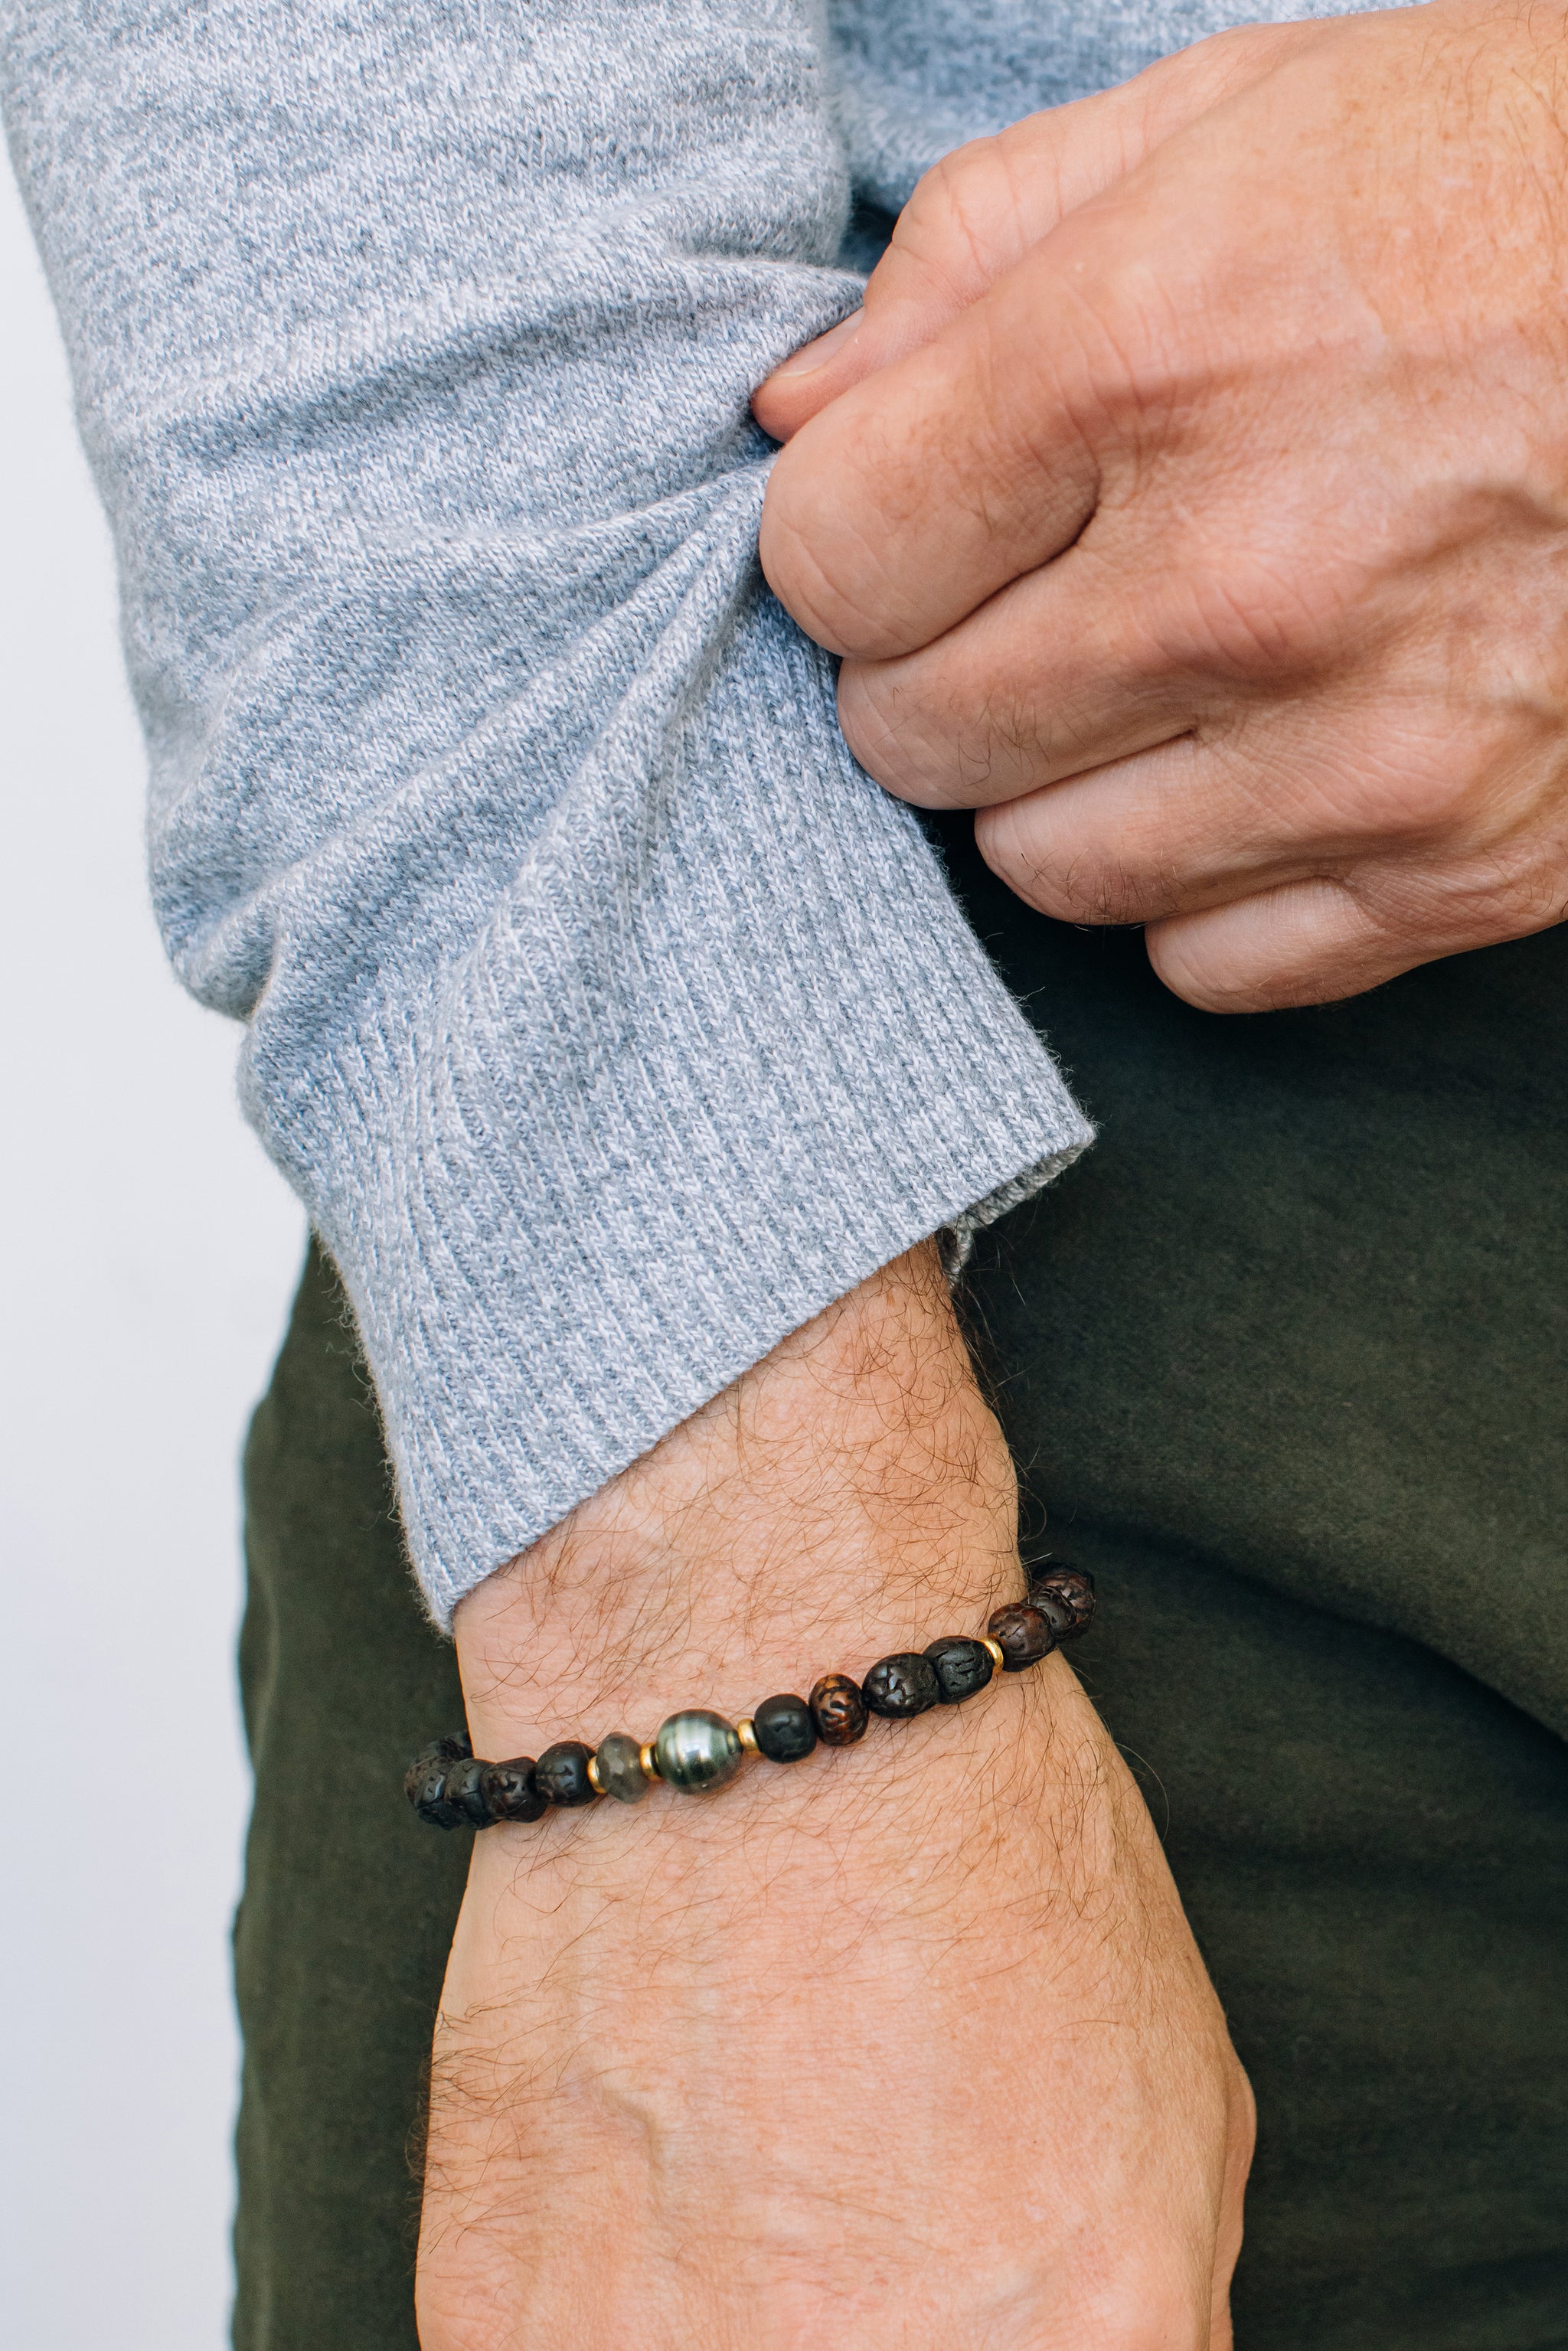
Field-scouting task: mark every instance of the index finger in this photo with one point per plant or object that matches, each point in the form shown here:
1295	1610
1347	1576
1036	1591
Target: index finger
981	208
913	498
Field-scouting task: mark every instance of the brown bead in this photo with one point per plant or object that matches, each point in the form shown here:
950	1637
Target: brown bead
1067	1596
838	1710
1024	1634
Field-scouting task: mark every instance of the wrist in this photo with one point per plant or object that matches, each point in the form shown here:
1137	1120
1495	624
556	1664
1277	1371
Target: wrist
851	1495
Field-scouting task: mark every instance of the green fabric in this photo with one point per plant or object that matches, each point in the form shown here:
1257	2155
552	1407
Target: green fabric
1287	1357
349	1905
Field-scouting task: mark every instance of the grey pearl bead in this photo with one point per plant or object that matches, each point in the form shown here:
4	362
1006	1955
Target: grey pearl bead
697	1750
620	1772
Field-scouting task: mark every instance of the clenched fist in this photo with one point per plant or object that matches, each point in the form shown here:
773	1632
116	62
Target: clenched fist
1191	499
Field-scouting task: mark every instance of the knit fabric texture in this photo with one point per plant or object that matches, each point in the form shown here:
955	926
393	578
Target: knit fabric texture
607	1019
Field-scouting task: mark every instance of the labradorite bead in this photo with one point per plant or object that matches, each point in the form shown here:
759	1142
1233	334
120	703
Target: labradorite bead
424	1785
1064	1592
1024	1634
511	1791
784	1728
620	1772
838	1710
465	1793
902	1684
561	1773
962	1666
697	1750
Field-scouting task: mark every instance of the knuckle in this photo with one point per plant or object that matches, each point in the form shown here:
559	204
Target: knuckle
1075	882
896	739
958	229
1388	786
835	519
873	730
936	737
1247	618
792	557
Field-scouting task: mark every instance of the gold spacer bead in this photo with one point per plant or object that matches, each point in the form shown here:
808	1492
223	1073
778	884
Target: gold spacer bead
650	1768
998	1655
594	1781
746	1731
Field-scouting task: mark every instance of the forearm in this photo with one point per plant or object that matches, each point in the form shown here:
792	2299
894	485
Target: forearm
911	2036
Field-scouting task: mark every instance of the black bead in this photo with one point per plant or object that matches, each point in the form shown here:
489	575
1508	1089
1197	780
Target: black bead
465	1793
561	1773
511	1791
1024	1633
838	1710
456	1747
424	1785
962	1666
785	1731
902	1684
1063	1592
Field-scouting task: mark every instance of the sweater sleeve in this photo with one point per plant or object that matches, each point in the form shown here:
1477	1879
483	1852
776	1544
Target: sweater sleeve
608	1020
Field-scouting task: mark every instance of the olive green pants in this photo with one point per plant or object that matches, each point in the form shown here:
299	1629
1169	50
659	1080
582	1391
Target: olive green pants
1286	1359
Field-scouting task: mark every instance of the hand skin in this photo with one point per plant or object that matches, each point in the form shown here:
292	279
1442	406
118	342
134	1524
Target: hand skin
1192	500
908	2043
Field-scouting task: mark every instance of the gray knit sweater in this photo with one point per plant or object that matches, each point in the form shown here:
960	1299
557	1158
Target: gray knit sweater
607	1019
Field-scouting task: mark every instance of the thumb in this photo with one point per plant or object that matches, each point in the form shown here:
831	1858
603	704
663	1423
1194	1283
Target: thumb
978	211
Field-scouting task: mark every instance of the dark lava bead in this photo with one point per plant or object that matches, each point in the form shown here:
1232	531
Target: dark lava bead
902	1684
561	1775
785	1731
511	1791
1024	1633
456	1747
1067	1593
962	1666
838	1710
466	1792
424	1785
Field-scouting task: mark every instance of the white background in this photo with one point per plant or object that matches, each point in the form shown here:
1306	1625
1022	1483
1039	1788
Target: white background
148	1254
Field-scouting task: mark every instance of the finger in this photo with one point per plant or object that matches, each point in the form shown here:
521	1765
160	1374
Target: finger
1068	670
1191	825
973	216
1316	940
980	209
1312	942
913	498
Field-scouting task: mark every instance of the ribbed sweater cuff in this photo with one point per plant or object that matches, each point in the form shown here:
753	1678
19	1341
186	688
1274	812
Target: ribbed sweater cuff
590	1171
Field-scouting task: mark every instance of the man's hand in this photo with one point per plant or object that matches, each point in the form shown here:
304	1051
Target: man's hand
1204	521
909	2044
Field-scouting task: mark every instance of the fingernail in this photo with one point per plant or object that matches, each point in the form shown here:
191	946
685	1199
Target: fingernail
811	356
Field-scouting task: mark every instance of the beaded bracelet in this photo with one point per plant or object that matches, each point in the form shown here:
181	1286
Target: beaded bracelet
450	1787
